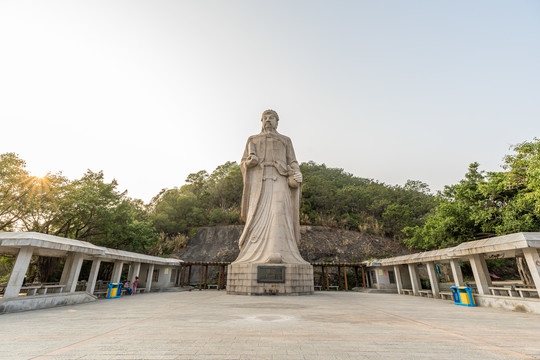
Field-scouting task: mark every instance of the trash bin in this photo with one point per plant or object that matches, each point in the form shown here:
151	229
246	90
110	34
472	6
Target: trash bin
115	290
463	295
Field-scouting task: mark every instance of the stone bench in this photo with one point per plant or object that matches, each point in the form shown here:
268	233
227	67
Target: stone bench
426	293
140	290
213	286
446	295
333	287
100	293
407	292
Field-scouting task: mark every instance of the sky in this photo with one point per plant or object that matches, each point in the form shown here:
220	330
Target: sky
151	91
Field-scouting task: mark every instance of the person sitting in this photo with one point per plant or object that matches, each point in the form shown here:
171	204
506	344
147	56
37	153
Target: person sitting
128	288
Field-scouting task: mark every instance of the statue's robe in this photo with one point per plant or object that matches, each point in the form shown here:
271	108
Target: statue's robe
270	202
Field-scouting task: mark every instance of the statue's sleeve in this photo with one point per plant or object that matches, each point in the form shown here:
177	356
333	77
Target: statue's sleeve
246	152
291	157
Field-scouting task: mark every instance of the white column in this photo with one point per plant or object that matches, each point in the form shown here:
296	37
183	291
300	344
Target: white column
415	280
149	277
533	261
433	279
456	272
117	271
134	271
130	272
73	272
481	274
67	268
16	278
399	283
92	278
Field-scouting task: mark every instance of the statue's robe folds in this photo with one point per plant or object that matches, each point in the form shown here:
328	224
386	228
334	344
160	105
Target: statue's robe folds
270	202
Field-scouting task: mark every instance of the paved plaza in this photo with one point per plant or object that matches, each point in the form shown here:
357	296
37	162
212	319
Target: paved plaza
212	325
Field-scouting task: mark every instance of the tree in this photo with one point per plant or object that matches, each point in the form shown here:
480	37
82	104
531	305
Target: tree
14	189
88	208
486	204
333	197
204	200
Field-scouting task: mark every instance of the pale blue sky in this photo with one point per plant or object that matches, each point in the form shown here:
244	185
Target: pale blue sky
150	91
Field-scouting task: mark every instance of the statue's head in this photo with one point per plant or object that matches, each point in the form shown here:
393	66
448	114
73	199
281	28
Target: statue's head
269	120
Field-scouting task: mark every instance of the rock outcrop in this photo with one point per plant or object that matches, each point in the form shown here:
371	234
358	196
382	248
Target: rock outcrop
318	244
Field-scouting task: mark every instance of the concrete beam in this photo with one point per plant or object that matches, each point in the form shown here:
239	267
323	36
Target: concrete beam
74	271
149	277
481	273
92	278
433	279
399	283
117	271
533	261
66	269
456	272
16	278
134	270
415	279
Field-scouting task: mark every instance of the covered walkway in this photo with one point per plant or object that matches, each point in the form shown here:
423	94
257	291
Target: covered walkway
406	279
153	271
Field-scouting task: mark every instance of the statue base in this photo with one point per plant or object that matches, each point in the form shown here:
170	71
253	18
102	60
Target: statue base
269	279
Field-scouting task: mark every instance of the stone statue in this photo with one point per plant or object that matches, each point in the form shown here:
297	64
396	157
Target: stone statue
271	197
269	261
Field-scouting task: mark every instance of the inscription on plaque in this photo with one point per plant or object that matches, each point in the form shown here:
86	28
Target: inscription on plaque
271	274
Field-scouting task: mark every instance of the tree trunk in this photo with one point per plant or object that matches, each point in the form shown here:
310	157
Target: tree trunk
46	269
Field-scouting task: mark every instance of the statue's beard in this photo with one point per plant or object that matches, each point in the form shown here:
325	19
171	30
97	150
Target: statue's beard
268	128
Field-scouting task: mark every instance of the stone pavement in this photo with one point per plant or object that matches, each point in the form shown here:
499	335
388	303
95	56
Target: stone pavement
212	325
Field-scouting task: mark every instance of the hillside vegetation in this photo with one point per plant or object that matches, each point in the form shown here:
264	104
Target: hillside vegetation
330	197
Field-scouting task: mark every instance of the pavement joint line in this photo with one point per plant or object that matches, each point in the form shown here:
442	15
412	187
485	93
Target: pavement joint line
459	336
97	337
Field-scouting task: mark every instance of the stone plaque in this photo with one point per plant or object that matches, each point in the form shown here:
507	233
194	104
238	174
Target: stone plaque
271	274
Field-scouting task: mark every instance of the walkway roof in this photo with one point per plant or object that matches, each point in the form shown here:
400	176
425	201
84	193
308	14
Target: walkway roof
427	256
499	246
496	247
50	245
44	245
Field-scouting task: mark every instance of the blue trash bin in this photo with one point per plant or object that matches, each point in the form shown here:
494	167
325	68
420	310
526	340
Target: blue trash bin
115	290
463	295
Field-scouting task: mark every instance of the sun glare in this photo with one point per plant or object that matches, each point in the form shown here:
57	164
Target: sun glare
38	184
41	175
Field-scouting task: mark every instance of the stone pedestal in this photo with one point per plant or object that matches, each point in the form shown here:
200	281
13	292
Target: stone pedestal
242	280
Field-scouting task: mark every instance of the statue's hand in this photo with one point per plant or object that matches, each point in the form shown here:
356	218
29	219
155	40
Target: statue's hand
252	160
298	176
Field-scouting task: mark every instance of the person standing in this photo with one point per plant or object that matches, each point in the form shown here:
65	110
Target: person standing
134	285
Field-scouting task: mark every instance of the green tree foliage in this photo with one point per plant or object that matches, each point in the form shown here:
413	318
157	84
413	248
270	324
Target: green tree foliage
486	204
205	200
88	208
332	197
13	190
